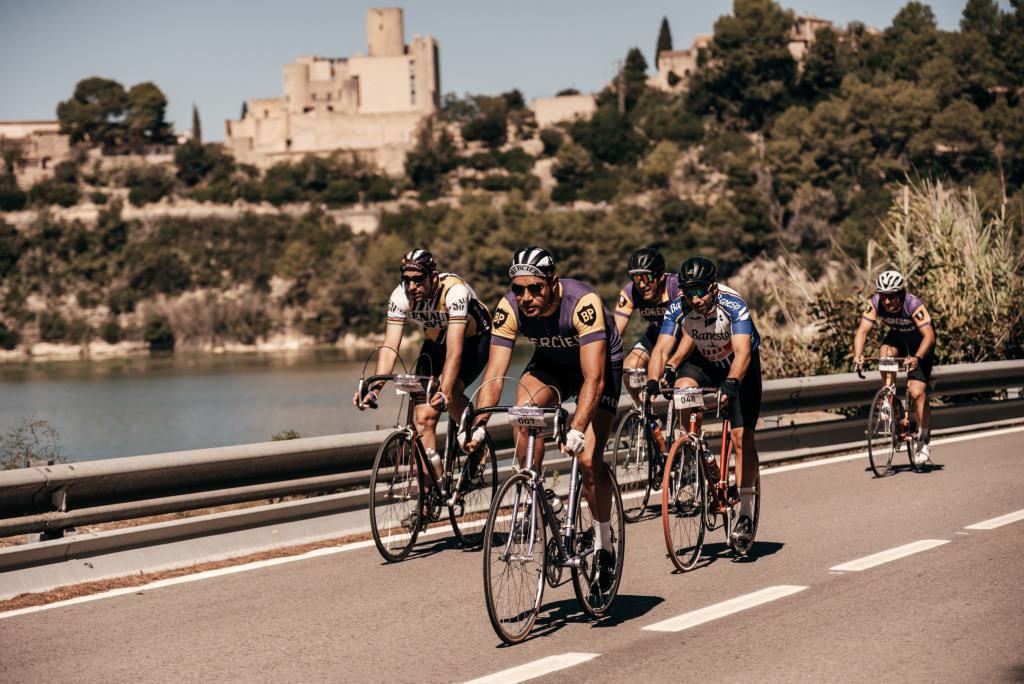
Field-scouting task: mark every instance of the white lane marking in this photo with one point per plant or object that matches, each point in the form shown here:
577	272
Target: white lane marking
767	469
535	669
997	522
890	555
698	617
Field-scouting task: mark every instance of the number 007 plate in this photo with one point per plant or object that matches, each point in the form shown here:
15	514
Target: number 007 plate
686	397
526	416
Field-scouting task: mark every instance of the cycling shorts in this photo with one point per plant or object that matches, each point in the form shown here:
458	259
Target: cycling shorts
905	347
743	413
569	379
475	351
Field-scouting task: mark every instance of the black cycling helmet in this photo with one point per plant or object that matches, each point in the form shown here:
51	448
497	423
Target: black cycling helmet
419	260
647	260
697	272
532	261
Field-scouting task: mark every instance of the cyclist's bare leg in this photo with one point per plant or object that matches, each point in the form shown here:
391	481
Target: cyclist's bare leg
597	485
683	415
535	390
425	416
747	462
917	391
636	358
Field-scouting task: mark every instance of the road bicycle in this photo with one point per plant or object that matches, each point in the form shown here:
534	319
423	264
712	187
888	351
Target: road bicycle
406	492
519	557
639	449
891	426
699	489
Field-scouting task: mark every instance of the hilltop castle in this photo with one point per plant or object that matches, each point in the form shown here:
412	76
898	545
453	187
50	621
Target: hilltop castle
370	105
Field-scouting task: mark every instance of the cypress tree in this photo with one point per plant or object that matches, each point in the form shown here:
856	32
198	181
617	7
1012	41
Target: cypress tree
197	130
664	40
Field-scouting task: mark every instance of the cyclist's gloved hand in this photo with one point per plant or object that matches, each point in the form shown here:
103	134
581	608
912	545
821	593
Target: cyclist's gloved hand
669	375
475	437
858	362
439	401
574	442
368	400
652	388
912	362
730	389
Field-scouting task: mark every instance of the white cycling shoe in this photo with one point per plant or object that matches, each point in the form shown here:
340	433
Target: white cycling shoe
923	455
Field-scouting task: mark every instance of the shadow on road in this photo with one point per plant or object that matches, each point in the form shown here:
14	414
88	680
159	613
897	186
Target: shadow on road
628	607
555	616
721	550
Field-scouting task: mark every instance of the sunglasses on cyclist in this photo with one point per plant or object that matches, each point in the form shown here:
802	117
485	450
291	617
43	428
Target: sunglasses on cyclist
698	292
643	279
415	280
535	289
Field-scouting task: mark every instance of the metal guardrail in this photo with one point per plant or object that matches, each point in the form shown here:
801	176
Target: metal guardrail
46	498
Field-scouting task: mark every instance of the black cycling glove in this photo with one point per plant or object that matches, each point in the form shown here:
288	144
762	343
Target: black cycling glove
653	388
730	389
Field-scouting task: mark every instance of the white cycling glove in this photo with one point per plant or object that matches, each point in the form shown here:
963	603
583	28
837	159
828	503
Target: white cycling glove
478	436
574	442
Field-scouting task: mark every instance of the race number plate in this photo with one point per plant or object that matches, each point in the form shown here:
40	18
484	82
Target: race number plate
687	397
636	377
888	365
526	416
408	384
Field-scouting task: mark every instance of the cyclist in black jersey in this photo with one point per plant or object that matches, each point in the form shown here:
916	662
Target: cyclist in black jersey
577	351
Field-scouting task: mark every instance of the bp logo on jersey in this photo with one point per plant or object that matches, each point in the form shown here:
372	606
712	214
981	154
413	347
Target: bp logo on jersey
587	314
500	316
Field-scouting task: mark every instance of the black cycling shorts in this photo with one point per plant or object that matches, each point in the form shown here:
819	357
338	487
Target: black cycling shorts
569	379
923	372
475	351
707	374
647	340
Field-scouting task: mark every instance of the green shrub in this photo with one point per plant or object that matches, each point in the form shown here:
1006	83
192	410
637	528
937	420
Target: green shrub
110	332
496	182
147	184
52	326
377	188
51	191
158	334
340	193
9	339
12	198
552	139
98	198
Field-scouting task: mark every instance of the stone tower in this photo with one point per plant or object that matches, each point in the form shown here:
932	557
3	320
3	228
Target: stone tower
384	33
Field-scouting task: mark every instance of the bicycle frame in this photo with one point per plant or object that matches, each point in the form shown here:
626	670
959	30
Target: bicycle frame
722	500
889	383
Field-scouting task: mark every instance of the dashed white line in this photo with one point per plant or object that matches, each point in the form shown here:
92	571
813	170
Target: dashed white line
536	668
890	555
997	522
718	610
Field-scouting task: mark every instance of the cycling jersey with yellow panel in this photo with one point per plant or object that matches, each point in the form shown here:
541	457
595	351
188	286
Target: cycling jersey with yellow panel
453	300
578	318
906	323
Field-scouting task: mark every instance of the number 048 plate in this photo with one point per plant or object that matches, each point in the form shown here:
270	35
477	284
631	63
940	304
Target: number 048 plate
526	416
687	397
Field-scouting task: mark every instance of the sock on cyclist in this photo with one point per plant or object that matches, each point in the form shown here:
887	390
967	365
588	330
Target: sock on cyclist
747	502
603	535
924	435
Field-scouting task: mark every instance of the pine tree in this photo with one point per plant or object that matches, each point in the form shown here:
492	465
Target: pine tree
197	130
664	40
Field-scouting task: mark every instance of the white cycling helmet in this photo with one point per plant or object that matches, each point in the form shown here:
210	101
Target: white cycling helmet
890	281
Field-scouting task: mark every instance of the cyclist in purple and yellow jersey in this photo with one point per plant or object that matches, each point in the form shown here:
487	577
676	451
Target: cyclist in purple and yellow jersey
648	293
579	353
912	335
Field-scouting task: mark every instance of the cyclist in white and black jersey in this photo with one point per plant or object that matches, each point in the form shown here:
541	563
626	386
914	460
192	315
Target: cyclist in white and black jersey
457	332
719	346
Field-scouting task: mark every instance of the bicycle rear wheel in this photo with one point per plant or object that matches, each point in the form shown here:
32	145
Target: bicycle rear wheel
474	481
632	465
911	442
396	497
594	600
882	432
683	500
513	566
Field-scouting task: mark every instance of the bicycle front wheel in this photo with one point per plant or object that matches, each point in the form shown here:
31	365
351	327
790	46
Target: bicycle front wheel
396	497
683	500
514	559
474	483
596	597
632	465
882	432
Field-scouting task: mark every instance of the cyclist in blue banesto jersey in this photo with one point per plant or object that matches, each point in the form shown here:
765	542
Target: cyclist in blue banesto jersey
719	346
911	334
578	351
648	293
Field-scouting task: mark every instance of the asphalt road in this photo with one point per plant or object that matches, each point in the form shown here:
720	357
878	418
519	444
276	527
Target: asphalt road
952	612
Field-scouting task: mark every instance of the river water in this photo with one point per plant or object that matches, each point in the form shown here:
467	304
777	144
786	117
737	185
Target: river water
151	404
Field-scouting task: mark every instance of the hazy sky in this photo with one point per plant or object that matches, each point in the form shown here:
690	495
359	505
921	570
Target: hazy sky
217	53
